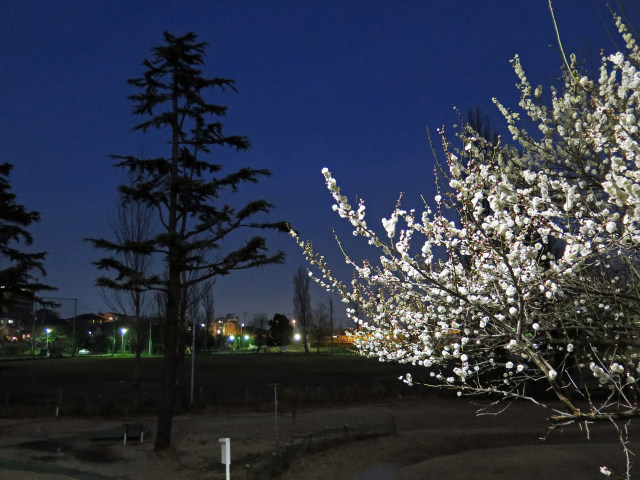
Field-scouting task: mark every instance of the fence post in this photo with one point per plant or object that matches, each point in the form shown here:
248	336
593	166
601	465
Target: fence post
275	406
59	402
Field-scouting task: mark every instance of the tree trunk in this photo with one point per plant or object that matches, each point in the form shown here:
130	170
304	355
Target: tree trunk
305	339
172	318
137	373
181	374
169	376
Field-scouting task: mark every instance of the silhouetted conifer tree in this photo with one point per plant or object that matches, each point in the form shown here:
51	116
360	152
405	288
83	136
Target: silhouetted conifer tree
19	270
185	189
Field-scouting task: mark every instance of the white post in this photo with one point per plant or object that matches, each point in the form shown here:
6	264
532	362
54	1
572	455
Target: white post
225	453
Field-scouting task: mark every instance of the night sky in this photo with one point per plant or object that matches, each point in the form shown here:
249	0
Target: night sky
349	85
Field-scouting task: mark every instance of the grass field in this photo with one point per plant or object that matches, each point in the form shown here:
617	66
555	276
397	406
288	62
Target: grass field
104	385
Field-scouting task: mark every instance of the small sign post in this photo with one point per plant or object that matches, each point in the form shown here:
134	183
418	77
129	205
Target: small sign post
225	454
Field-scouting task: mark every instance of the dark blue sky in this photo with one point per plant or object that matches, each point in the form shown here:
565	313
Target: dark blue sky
349	85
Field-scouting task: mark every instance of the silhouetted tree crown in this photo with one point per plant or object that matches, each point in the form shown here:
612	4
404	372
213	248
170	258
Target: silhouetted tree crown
19	269
185	188
280	330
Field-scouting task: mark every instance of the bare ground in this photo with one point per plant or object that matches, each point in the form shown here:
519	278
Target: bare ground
436	438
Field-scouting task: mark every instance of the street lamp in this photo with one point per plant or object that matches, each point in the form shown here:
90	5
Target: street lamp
113	324
123	331
47	331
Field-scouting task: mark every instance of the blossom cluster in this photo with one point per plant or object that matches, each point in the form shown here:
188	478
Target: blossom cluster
526	268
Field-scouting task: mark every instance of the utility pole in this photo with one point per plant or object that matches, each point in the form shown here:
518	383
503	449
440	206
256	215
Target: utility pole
193	356
331	321
33	332
73	334
150	340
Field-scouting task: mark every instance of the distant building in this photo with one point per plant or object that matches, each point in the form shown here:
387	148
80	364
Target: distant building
229	325
341	337
92	320
19	308
110	317
10	330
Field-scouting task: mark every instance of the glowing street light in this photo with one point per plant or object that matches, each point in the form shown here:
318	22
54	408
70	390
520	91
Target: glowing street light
123	331
296	337
47	331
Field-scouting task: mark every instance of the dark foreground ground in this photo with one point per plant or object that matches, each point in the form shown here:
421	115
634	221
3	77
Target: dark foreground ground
325	402
105	386
435	439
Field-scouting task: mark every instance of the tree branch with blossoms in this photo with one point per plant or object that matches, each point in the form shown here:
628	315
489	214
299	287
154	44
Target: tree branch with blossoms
530	282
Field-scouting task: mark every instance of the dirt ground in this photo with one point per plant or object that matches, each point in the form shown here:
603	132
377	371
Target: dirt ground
436	438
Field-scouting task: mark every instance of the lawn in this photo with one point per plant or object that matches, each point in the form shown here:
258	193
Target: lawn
104	385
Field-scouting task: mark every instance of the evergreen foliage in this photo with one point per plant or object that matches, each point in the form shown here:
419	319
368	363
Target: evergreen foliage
19	270
280	330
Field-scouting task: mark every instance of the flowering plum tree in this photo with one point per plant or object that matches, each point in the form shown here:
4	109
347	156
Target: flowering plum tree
531	285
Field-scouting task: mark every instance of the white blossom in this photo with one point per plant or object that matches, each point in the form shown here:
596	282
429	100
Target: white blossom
537	262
